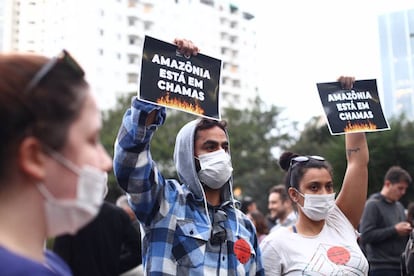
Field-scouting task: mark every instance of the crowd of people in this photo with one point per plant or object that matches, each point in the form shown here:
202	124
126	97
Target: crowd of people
53	184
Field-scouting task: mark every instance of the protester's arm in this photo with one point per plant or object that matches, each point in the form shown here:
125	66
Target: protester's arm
132	159
351	199
133	166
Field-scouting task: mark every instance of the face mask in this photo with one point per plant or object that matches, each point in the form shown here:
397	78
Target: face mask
215	169
69	215
317	207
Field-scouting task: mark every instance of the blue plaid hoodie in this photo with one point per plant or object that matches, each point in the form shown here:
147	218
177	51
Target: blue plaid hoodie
176	218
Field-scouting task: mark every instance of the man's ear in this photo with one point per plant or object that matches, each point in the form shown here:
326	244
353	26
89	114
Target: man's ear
31	158
387	183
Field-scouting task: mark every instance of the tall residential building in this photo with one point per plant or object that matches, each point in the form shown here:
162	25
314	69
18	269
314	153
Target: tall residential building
396	31
106	36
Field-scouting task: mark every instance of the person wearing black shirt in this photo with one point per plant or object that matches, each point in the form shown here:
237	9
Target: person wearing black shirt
108	246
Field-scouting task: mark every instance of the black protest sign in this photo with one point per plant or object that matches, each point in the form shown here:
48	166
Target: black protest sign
187	83
352	110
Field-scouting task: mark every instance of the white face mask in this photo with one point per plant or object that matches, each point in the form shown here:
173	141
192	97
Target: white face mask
67	216
215	169
317	207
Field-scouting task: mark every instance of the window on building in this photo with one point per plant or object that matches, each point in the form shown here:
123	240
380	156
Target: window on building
132	3
132	40
131	21
147	25
132	78
148	8
207	2
233	8
234	68
248	16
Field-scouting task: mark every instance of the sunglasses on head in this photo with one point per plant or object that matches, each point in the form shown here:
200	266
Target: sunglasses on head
219	233
305	158
301	159
63	57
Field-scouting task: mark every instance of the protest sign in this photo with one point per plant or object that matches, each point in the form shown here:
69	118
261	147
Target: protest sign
187	83
352	110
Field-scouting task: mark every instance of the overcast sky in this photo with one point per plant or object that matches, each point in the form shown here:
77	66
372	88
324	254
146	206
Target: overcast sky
304	42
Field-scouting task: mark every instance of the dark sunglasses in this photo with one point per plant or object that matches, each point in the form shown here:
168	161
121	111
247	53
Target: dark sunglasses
301	159
219	233
63	57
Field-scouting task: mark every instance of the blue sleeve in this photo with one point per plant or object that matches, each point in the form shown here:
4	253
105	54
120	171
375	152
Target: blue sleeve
134	169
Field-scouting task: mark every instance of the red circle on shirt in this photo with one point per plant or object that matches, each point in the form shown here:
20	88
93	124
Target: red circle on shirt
338	255
242	250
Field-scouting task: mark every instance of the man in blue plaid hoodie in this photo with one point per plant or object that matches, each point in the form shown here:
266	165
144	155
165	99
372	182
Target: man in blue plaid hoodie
191	227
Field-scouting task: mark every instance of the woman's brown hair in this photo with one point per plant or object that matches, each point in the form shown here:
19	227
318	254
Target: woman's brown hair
44	111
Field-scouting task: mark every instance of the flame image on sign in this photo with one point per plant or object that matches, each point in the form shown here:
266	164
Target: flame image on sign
166	100
359	126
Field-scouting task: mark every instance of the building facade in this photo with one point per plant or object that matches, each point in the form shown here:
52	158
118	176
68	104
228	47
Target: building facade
106	37
396	32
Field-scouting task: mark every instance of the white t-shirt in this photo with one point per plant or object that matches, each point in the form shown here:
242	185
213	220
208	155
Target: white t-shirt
334	251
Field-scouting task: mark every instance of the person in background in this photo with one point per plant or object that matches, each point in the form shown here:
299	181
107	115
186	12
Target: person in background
192	227
384	227
108	246
281	207
259	221
122	202
53	168
271	215
323	241
248	205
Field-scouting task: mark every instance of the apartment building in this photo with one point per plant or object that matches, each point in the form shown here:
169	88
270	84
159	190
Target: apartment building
396	31
106	36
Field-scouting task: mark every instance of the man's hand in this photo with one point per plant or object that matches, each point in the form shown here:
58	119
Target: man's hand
403	228
186	47
347	82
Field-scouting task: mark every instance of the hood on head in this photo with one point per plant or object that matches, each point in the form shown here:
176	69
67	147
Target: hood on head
185	164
